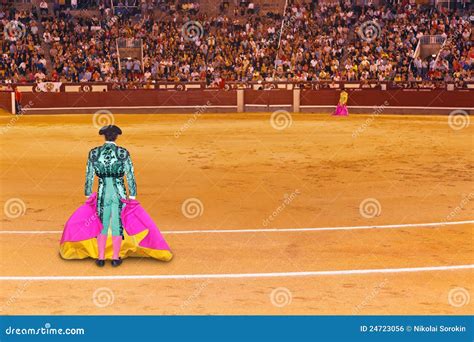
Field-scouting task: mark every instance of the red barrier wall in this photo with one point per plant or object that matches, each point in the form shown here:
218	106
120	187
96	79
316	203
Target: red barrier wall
395	98
221	100
131	98
268	97
5	101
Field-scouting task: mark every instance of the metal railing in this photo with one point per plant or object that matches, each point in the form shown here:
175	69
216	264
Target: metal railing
190	86
435	39
129	43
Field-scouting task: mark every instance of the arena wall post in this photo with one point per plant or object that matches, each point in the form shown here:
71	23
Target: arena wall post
296	100
13	104
240	101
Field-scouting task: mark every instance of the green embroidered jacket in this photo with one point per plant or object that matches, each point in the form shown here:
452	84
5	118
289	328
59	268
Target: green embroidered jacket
112	162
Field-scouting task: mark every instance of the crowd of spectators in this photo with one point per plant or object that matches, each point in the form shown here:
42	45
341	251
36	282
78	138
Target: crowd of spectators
391	54
80	49
178	42
382	45
22	57
313	40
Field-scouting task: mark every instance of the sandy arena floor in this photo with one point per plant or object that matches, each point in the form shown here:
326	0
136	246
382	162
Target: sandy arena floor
242	173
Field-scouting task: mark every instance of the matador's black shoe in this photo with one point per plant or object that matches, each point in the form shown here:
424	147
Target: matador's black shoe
116	262
100	263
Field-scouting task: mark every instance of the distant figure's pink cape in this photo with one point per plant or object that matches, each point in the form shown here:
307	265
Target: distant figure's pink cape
80	231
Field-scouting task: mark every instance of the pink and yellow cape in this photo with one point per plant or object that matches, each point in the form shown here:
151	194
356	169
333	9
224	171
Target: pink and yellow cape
142	238
341	109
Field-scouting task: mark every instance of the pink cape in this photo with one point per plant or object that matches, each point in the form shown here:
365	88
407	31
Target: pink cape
84	224
341	110
135	220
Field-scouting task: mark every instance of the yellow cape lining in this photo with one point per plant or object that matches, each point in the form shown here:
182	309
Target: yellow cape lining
88	249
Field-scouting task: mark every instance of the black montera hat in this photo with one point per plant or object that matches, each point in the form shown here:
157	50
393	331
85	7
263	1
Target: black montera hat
110	129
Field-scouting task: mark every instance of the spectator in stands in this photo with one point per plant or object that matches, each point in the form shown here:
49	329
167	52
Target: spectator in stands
18	97
251	8
43	7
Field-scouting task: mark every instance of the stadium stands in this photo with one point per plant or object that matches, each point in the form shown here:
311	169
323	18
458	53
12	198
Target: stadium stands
238	40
